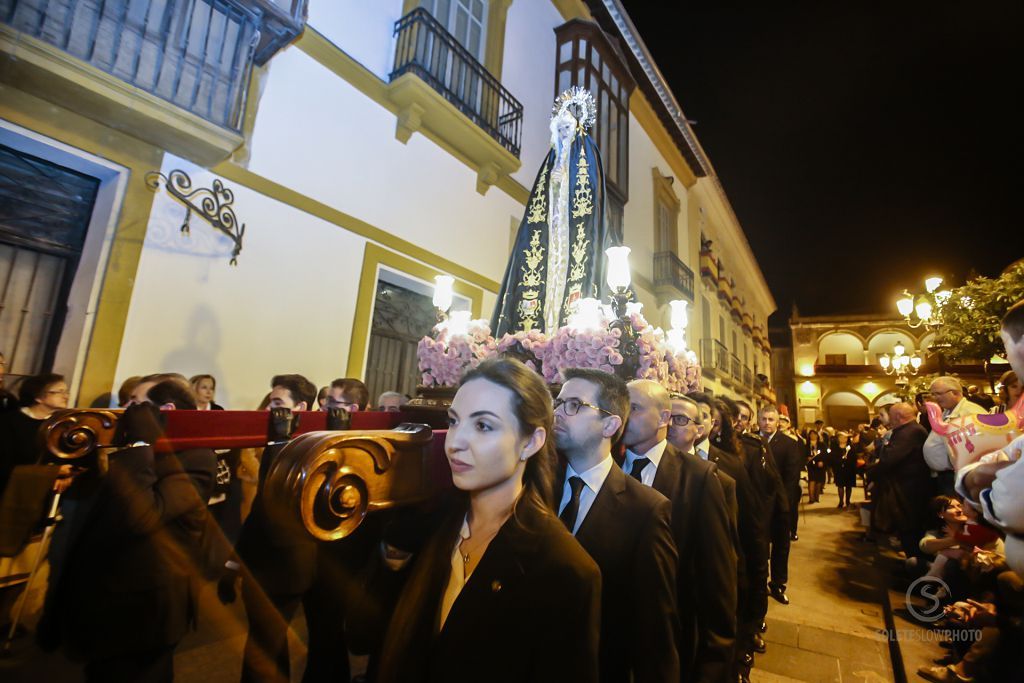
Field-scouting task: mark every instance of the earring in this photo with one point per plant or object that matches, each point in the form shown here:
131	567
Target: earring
522	458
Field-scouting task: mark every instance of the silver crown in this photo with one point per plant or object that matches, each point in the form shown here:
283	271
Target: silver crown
580	103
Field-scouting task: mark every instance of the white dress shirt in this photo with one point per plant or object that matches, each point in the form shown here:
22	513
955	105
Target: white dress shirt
702	449
649	472
593	480
936	453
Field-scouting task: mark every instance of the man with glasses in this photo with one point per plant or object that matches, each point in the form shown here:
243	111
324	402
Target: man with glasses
348	394
706	580
624	526
947	392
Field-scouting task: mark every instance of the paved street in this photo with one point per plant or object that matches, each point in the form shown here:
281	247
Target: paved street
832	630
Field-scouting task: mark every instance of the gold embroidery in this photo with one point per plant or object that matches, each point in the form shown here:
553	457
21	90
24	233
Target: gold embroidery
538	210
529	306
579	254
533	257
583	200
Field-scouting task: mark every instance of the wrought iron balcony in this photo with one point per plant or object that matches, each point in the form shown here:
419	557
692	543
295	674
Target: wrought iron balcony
748	376
714	356
195	54
670	271
737	368
426	49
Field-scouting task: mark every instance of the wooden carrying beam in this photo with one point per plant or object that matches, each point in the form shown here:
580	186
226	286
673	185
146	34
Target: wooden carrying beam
326	481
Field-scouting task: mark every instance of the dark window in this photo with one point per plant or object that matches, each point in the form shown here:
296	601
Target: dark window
835	359
45	211
589	58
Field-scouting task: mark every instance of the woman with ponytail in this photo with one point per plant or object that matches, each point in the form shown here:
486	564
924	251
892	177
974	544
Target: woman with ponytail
502	592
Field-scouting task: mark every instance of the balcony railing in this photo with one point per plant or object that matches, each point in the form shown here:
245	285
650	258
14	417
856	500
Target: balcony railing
196	54
737	368
427	50
714	356
748	376
670	271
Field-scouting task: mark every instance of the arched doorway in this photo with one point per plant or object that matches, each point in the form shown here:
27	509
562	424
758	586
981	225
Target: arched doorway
845	409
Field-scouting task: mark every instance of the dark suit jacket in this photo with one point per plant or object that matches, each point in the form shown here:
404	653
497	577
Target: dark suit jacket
790	461
531	611
706	580
901	466
749	522
628	532
764	476
129	583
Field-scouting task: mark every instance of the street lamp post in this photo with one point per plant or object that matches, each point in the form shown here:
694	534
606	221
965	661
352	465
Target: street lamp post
923	309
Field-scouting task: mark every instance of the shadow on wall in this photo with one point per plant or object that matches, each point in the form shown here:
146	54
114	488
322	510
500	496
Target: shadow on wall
199	352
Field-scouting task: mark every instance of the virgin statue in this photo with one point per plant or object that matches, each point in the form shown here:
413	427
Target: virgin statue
558	256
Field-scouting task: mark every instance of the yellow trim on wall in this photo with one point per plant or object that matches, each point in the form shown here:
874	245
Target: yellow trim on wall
376	256
291	197
474	150
572	9
644	114
122	264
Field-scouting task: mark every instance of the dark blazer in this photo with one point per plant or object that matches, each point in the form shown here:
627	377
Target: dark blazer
531	610
628	533
901	461
818	460
790	461
706	580
764	475
130	581
749	522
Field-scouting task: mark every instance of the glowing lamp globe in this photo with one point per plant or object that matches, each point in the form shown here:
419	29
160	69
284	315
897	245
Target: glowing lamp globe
618	267
924	309
905	304
443	285
679	317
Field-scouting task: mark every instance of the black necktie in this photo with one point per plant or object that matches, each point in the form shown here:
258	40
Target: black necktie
572	508
638	466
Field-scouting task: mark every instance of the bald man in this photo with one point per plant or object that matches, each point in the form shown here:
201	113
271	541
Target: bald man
948	393
706	578
903	478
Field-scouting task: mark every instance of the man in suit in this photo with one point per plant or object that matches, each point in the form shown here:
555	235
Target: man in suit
706	587
902	465
623	525
125	594
771	501
752	534
788	459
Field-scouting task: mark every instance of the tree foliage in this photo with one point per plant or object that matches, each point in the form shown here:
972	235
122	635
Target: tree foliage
972	313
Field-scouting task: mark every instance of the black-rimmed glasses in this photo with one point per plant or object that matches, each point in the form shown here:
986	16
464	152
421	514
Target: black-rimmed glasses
571	406
681	420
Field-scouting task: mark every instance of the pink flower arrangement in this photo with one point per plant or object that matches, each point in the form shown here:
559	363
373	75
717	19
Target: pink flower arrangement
444	357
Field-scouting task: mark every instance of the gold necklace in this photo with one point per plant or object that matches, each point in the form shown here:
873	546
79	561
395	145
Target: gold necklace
465	554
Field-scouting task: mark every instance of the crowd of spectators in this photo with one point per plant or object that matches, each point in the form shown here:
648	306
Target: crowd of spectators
671	515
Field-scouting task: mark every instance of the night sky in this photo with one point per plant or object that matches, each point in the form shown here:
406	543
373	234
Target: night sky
862	145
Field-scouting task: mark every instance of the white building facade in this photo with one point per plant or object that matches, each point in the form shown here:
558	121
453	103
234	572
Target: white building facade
373	146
